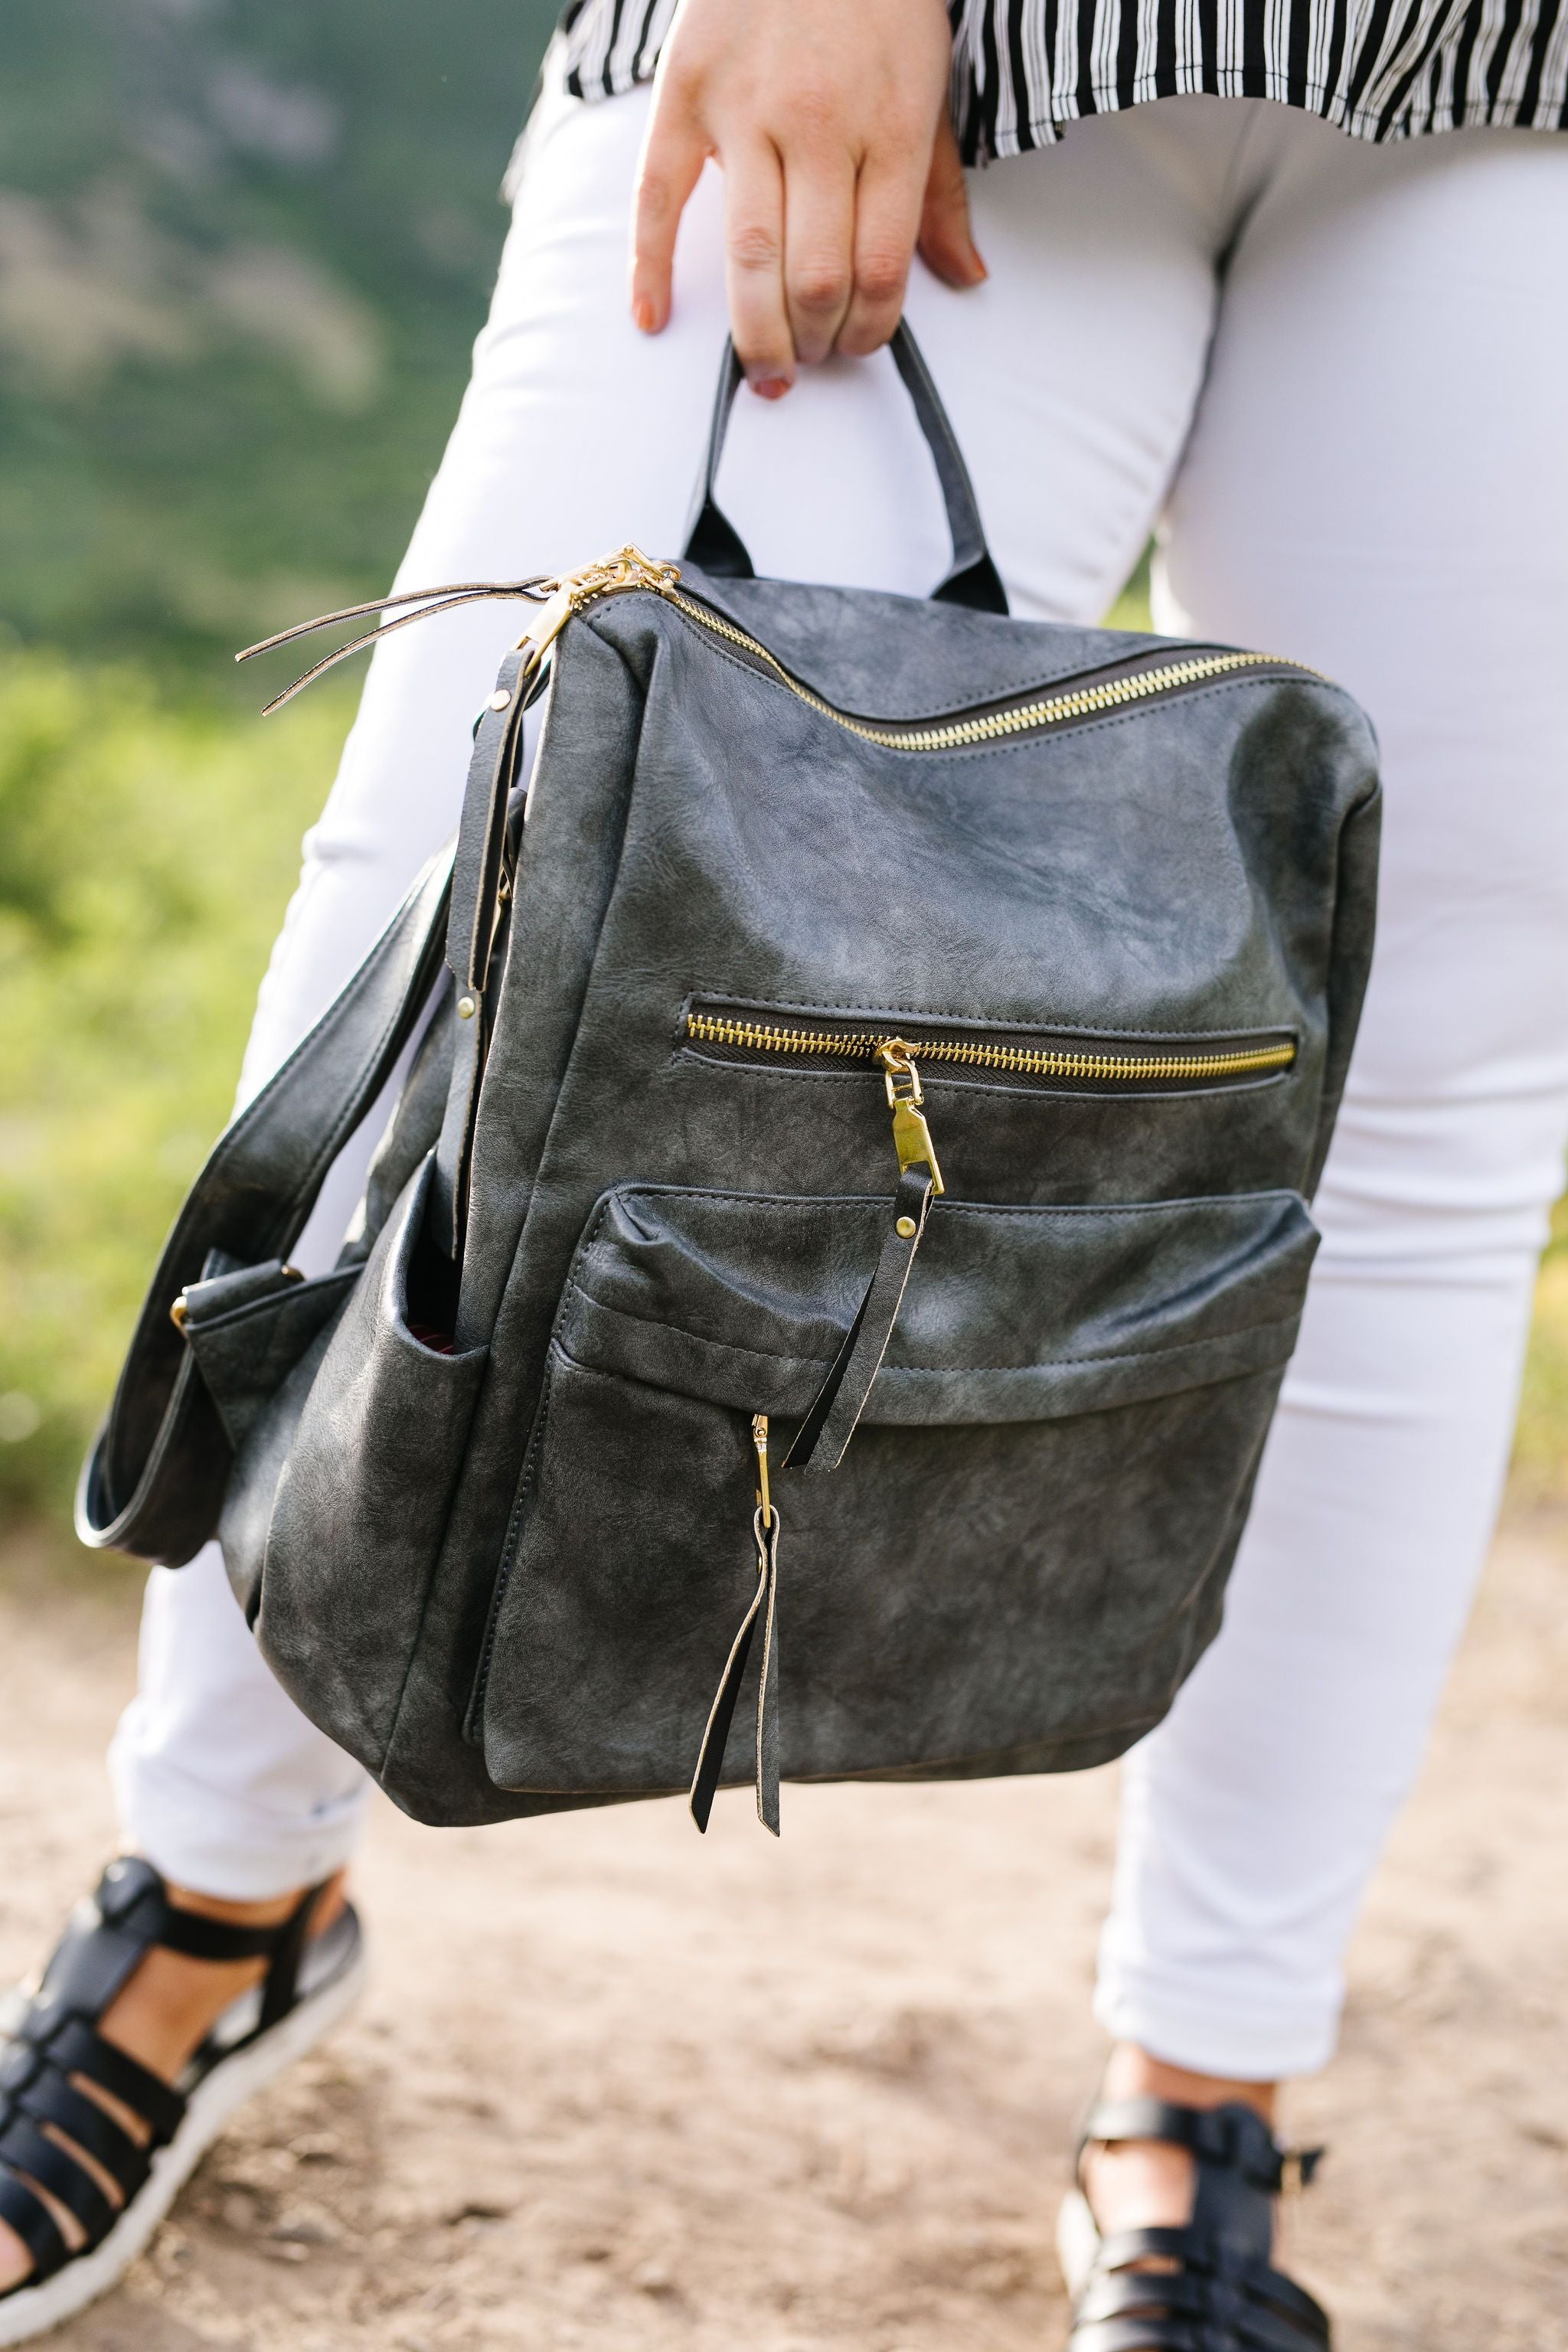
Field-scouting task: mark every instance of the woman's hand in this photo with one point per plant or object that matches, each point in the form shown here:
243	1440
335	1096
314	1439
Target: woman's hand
830	120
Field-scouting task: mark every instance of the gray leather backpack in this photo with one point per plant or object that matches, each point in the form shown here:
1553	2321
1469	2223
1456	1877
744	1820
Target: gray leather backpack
844	1225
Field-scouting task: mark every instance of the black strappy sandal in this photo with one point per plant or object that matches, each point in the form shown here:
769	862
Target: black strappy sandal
50	2035
1210	2285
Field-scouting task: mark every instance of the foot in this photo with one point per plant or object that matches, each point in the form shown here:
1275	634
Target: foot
130	2004
1168	2242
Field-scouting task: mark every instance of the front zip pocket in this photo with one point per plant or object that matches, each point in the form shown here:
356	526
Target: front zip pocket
1054	1061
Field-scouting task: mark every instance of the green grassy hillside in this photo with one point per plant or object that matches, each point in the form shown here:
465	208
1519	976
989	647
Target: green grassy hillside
245	246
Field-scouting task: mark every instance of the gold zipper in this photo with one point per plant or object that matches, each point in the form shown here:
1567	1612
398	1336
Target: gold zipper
628	568
1066	1063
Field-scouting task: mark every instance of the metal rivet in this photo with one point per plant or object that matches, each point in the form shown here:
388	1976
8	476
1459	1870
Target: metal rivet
466	1007
499	698
905	1228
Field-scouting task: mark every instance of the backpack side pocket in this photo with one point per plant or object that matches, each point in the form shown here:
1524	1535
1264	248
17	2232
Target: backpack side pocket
352	1475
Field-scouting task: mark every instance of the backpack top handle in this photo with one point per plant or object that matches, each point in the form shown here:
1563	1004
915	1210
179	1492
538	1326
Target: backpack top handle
713	542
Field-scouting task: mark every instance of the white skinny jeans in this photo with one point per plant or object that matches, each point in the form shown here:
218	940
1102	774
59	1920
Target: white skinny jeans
1340	375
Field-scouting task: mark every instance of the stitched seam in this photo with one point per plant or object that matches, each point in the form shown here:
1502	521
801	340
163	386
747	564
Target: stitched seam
1130	1725
503	1571
1064	1091
928	1372
1140	641
942	1208
714	991
1143	643
985	1755
525	1480
1001	743
1144	709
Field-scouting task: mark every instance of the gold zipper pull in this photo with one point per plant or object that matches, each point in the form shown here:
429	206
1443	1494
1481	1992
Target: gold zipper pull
627	568
760	1440
911	1136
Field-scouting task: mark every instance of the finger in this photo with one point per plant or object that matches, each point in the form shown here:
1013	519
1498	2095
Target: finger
672	164
886	215
819	247
754	268
946	245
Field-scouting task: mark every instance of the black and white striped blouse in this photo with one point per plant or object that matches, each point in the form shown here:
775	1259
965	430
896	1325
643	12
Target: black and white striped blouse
1380	68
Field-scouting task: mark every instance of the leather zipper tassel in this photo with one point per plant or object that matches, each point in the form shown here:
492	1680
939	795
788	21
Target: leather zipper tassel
819	1445
820	1442
823	1437
721	1713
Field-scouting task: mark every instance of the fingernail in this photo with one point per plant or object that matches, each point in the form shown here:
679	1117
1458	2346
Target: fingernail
643	314
771	387
978	272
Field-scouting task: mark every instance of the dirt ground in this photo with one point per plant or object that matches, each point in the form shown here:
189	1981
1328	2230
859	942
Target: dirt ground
615	2087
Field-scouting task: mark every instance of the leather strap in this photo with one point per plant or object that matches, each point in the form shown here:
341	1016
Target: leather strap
35	2225
713	542
280	1989
79	2049
53	2100
481	833
154	1482
823	1437
26	2149
1230	2136
721	1713
474	929
201	1939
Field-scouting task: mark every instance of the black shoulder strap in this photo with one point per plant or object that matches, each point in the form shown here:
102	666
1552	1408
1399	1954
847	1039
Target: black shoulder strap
155	1480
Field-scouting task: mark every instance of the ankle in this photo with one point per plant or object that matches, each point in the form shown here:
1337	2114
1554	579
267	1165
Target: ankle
1132	2073
269	1911
166	2009
1149	2184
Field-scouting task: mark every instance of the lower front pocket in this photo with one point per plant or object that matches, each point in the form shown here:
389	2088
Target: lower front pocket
1019	1557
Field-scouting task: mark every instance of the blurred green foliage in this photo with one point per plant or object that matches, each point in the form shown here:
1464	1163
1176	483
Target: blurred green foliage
1540	1445
147	852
